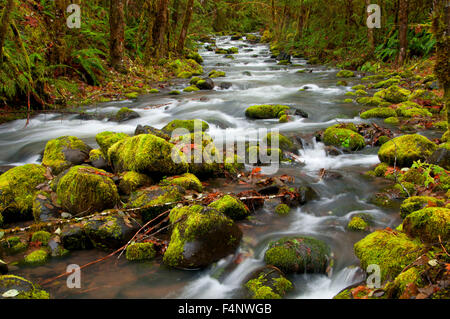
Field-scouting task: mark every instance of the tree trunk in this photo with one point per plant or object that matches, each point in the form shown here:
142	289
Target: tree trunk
159	29
349	12
184	29
58	51
273	12
301	19
403	31
370	36
117	34
4	25
175	14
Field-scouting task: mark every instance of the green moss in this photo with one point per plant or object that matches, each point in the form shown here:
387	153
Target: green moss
298	254
350	93
13	245
153	91
106	232
391	251
107	139
425	95
191	88
344	138
265	111
263	287
345	74
441	125
194	80
393	94
258	154
282	209
132	95
41	236
358	87
148	154
396	288
233	164
216	74
26	289
412	175
186	65
445	145
410	109
392	120
184	75
446	137
54	152
86	190
347	100
381	112
344	294
406	149
284	142
95	155
231	206
131	181
361	93
387	83
189	125
357	224
187	181
140	251
372	101
283	119
17	190
174	92
428	224
36	258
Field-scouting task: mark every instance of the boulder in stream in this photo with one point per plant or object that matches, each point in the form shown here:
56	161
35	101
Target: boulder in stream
107	139
266	111
231	207
267	283
125	114
344	136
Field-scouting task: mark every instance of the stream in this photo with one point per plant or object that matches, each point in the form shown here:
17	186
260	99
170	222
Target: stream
266	83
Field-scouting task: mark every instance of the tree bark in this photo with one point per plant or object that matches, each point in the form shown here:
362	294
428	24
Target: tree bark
4	25
184	29
117	34
159	29
370	36
301	19
403	30
58	50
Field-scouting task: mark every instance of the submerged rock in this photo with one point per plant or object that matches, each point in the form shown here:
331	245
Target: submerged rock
200	237
64	152
15	287
267	283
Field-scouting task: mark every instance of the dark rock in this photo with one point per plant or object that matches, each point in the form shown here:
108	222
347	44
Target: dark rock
306	194
440	157
329	175
5	168
283	56
147	129
3	267
76	156
43	207
301	113
100	163
269	190
248	50
332	151
225	85
56	249
123	116
246	73
206	84
73	237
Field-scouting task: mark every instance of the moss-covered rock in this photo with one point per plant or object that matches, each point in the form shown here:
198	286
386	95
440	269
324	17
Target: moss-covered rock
381	112
361	93
266	111
189	125
43	207
110	232
83	190
147	154
343	138
393	94
17	190
147	129
174	92
381	169
140	251
387	83
345	74
425	96
372	101
406	149
415	203
13	245
267	283
154	200
98	159
446	137
298	254
107	139
41	236
282	209
73	237
216	74
358	87
131	181
392	251
231	207
25	288
188	181
180	66
200	236
397	287
428	224
357	224
411	109
36	258
191	88
125	114
392	120
63	152
284	142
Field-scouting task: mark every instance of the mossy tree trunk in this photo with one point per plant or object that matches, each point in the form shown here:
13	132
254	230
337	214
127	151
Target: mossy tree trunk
441	30
117	34
148	51
4	25
370	35
402	31
58	51
184	29
300	22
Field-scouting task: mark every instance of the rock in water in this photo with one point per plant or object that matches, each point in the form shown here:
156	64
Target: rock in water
440	157
267	283
19	288
147	129
200	237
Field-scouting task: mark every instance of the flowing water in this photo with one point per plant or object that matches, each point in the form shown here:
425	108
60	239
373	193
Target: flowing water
266	83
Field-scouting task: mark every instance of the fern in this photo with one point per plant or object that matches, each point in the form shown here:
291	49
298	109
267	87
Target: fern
90	63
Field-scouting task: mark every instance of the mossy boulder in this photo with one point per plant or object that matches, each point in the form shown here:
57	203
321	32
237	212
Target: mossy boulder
266	111
191	88
83	190
380	112
267	283
189	125
398	286
391	250
205	84
147	154
345	74
393	120
64	152
107	139
393	94
298	255
231	207
358	87
429	224
155	200
22	288
387	83
372	101
110	232
284	143
12	245
411	109
131	181
41	236
73	237
17	190
140	251
216	74
98	159
125	114
282	209
200	237
357	223
406	149
344	138
147	129
415	203
425	97
36	258
188	181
